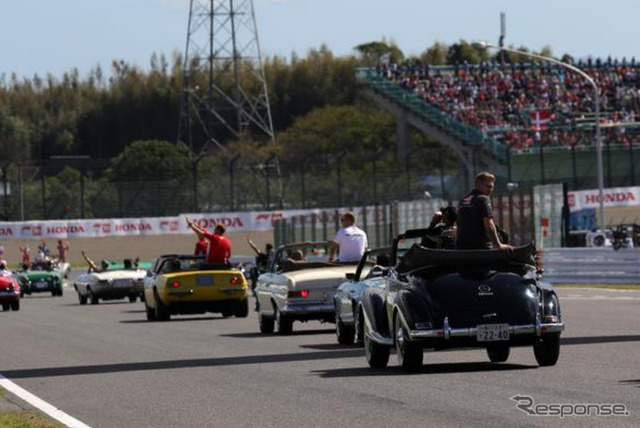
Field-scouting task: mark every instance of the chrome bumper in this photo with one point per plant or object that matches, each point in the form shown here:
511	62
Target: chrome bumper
514	330
308	308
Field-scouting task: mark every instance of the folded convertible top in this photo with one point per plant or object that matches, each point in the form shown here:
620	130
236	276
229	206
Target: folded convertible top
418	257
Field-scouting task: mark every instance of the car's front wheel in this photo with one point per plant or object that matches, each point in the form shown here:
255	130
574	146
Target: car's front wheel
498	352
377	355
345	334
132	299
6	306
284	323
409	353
82	299
15	306
547	350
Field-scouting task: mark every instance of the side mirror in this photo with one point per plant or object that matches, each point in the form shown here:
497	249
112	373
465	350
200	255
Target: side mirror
350	276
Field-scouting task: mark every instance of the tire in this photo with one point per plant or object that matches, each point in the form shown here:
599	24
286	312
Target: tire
132	299
359	327
598	241
151	313
409	353
266	323
6	306
377	355
242	309
82	299
498	353
547	350
162	313
15	306
92	297
345	334
284	323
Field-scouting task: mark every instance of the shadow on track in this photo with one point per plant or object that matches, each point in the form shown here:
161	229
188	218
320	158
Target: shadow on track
178	364
425	369
173	319
635	382
258	334
598	339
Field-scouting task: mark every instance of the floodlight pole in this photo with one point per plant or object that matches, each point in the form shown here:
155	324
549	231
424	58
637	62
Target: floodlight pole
596	93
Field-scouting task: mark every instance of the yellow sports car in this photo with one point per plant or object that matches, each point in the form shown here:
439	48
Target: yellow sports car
178	284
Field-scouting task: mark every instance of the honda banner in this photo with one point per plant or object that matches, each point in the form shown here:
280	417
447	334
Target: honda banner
613	197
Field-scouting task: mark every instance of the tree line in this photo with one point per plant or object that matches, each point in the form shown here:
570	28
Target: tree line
126	124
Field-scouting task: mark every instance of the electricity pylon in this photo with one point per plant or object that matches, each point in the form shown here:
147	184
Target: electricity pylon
224	88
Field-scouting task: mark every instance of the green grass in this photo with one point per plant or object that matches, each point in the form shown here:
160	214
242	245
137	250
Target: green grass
2	392
605	286
28	419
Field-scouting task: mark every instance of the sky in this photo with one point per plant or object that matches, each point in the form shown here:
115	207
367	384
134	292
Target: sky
56	36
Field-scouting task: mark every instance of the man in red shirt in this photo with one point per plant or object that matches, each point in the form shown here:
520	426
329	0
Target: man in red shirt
219	248
201	247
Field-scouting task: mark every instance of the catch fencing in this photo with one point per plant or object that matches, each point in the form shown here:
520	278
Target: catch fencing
591	266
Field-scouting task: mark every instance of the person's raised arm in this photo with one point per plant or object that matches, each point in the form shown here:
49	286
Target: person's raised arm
198	231
90	262
253	246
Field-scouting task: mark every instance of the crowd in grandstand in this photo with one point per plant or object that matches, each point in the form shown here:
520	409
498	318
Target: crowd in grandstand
527	104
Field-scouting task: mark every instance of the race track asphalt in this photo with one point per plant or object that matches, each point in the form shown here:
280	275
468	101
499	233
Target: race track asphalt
108	367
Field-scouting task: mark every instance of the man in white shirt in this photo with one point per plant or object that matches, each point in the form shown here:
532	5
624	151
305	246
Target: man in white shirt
350	241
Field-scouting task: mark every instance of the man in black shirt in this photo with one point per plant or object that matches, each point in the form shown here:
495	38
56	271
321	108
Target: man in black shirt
476	229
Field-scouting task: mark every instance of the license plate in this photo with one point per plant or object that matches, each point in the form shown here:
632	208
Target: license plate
204	280
121	283
41	285
493	332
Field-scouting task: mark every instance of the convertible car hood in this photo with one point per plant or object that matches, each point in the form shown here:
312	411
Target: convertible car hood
326	277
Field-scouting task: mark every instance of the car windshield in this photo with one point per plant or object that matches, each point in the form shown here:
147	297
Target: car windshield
304	255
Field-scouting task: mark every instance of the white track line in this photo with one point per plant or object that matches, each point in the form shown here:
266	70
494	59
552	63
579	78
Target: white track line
41	405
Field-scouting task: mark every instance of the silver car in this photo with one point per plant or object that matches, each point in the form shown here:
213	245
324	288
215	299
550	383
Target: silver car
110	285
299	288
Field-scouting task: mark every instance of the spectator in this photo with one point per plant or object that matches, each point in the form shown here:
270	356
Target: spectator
26	254
350	241
476	229
63	251
219	247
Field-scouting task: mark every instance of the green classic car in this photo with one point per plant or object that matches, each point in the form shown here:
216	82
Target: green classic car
42	280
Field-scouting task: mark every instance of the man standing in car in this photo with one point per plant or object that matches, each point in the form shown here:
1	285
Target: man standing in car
219	248
350	241
476	229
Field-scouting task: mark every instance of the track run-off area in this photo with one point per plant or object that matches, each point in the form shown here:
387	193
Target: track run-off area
106	366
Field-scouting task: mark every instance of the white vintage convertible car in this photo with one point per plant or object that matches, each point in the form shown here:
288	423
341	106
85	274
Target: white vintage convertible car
111	284
299	285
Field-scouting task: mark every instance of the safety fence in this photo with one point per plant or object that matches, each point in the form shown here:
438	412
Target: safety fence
591	266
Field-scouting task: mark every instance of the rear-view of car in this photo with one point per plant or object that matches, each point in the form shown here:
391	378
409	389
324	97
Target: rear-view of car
9	293
181	284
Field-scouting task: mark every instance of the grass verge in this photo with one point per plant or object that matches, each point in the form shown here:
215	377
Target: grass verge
27	419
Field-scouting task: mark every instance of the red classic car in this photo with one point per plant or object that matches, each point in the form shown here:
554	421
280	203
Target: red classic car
9	293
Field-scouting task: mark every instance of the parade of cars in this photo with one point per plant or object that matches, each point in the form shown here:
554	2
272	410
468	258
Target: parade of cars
299	288
444	299
371	272
184	284
44	278
10	293
113	284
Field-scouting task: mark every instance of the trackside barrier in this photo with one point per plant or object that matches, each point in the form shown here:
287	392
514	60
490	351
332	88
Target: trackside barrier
591	266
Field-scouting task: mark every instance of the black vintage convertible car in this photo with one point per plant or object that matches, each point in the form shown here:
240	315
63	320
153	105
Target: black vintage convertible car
443	299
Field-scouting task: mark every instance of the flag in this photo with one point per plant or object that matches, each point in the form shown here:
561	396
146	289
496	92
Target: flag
540	120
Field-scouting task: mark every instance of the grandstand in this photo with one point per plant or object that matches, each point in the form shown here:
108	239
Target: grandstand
529	122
